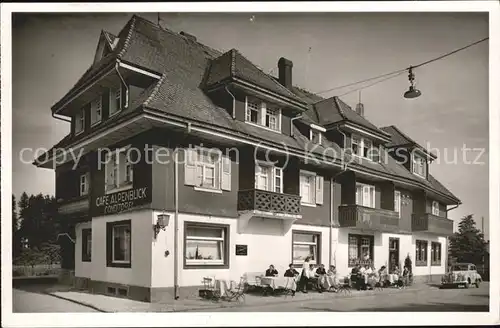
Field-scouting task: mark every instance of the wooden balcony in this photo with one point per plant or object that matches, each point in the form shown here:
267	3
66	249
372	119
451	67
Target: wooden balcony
431	224
375	219
268	201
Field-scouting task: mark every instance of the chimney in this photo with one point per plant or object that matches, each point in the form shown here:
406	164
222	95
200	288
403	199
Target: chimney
360	109
187	35
285	72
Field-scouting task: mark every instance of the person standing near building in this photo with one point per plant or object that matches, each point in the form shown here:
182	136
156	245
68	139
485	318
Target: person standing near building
304	276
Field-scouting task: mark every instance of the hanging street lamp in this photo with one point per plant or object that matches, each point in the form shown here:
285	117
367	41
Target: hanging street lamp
412	91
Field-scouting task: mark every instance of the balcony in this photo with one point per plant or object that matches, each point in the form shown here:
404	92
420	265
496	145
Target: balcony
267	204
431	224
375	219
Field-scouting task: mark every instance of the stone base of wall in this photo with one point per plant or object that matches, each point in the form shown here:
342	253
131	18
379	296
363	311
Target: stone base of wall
66	277
137	293
425	279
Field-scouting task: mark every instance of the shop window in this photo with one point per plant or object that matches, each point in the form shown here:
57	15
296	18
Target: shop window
305	244
435	253
360	249
206	245
421	253
119	244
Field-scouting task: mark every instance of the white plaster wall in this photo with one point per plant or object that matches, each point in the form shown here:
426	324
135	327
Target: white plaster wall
142	233
82	269
428	269
267	244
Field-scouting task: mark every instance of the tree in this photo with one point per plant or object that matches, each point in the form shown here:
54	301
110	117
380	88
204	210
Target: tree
16	241
38	223
468	244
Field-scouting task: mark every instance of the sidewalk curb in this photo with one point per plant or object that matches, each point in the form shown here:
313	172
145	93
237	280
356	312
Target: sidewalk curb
244	305
76	302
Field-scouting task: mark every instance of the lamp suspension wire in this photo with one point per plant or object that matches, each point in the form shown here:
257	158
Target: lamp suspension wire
398	72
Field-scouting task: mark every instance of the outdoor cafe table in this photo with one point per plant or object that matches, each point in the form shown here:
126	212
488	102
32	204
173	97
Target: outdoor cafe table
280	282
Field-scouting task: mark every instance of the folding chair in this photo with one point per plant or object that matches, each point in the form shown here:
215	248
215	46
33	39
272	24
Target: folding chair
236	292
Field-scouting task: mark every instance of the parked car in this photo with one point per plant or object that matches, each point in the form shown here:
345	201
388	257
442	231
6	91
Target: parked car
461	274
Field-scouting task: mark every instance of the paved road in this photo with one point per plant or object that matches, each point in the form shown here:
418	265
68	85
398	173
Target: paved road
28	301
433	300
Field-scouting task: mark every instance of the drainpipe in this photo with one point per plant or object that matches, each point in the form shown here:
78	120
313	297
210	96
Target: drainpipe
176	224
234	101
123	82
291	123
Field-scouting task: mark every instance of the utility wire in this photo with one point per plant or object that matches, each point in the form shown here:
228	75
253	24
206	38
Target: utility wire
402	70
369	85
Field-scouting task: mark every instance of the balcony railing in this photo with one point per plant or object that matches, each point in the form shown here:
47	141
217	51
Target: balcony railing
375	219
431	223
268	201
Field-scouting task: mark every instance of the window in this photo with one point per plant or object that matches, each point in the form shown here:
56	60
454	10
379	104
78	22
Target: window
315	136
421	253
365	195
435	253
86	245
268	177
311	188
397	202
360	249
119	244
96	111
207	169
206	245
305	244
435	208
115	100
84	184
363	147
119	170
419	165
258	112
80	121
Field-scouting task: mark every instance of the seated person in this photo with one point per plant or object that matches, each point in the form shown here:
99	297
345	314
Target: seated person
383	276
331	277
271	272
312	279
394	276
321	274
291	272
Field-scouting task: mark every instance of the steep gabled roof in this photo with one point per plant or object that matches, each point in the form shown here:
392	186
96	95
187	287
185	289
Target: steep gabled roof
398	138
233	64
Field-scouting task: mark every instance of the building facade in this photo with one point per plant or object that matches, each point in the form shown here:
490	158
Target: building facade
184	162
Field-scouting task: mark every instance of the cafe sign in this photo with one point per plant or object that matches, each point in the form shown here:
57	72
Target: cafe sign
120	201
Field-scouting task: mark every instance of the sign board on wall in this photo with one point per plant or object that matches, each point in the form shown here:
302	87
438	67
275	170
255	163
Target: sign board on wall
120	201
242	250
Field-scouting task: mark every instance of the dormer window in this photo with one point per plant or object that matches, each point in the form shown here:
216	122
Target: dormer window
115	100
419	165
315	136
80	121
260	113
362	147
96	111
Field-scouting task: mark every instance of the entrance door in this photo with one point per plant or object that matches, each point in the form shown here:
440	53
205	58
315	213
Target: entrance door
393	253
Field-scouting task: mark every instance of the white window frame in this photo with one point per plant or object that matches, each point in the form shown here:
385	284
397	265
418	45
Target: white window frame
422	165
84	184
262	109
129	244
273	173
316	187
114	165
223	240
205	166
302	243
80	119
364	187
397	202
361	146
312	132
435	208
96	107
114	95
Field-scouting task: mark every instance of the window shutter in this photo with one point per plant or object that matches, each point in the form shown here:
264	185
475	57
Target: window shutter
226	173
190	166
319	189
366	196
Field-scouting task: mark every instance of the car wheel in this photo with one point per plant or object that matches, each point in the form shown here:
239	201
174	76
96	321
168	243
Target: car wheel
477	283
467	284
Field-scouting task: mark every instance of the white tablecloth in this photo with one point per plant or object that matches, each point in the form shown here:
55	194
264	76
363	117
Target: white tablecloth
280	282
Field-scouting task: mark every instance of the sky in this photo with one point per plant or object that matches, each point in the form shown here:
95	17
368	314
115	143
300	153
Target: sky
51	51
